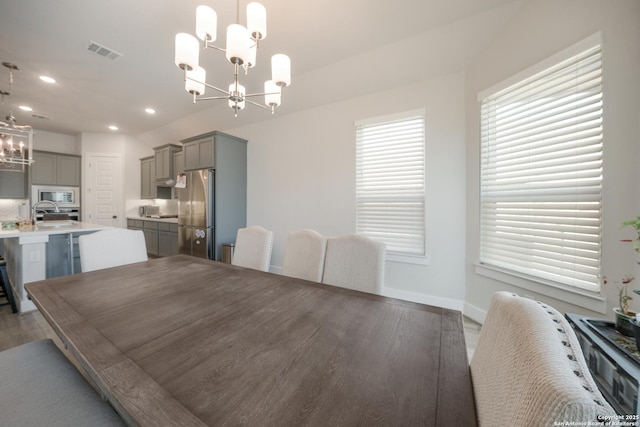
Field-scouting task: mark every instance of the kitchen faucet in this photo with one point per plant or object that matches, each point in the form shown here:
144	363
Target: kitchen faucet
37	205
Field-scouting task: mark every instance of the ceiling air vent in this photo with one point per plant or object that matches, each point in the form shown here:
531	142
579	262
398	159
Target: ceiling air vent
104	51
40	116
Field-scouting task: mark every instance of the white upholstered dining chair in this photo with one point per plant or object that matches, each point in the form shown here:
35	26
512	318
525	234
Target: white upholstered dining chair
528	368
111	248
355	262
304	255
253	248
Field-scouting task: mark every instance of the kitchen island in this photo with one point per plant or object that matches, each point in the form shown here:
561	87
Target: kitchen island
41	252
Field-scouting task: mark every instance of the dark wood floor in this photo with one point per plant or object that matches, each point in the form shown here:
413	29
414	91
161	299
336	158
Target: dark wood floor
16	329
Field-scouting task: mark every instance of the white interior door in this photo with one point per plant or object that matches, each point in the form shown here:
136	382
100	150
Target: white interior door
103	190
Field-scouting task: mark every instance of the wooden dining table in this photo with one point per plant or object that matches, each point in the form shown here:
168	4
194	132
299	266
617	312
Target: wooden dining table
184	341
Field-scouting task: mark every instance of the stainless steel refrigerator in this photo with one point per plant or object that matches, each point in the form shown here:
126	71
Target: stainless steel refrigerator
196	232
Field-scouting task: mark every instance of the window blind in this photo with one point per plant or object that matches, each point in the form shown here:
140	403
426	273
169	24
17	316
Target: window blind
541	173
390	183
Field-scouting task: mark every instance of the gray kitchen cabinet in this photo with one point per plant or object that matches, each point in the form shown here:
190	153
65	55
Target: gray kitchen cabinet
148	188
164	156
55	169
161	237
43	170
178	167
199	152
14	185
150	230
167	239
135	224
178	162
68	170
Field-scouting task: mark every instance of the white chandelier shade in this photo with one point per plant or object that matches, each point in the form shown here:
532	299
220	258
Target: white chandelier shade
273	93
187	51
257	21
281	69
237	44
206	23
194	83
241	49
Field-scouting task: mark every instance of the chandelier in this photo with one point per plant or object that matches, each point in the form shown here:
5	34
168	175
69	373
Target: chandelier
16	141
241	51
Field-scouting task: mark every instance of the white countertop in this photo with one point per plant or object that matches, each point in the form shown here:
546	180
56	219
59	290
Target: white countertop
144	218
40	230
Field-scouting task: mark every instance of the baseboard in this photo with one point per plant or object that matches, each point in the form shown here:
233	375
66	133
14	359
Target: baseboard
474	313
423	299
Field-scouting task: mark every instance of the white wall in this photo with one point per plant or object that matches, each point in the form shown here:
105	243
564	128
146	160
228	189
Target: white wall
55	142
301	174
540	29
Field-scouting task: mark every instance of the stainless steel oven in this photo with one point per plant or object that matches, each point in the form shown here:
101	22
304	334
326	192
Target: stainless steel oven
68	197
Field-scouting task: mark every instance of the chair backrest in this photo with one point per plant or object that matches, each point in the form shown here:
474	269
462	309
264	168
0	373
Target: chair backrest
253	248
110	248
355	262
304	255
528	368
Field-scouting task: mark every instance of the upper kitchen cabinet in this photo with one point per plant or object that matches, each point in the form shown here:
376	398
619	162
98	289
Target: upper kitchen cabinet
14	185
164	155
148	189
202	151
55	169
178	162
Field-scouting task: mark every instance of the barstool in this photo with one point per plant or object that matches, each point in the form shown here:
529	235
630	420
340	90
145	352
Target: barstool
5	287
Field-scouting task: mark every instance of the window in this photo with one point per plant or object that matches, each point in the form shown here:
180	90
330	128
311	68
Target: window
541	171
390	182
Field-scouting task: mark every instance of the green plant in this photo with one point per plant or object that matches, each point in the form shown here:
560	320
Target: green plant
635	223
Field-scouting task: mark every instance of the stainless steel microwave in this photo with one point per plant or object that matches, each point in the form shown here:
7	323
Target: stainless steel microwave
62	196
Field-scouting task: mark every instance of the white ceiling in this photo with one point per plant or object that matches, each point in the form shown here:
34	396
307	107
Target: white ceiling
327	40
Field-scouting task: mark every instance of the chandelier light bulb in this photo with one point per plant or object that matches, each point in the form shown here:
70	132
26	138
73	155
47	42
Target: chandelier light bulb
206	23
237	47
187	51
194	83
257	21
281	69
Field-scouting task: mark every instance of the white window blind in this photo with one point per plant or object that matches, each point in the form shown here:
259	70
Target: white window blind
541	173
390	183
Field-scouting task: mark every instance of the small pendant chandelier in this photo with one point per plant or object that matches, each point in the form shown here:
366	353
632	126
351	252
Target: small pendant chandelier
16	141
241	51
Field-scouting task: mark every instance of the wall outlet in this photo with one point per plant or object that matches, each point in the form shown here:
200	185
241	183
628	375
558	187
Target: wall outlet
34	256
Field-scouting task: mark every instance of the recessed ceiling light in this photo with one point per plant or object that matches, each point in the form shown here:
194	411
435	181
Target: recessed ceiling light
150	110
47	79
25	108
113	127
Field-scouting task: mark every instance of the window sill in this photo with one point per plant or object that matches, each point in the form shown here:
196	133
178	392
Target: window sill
408	259
581	298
